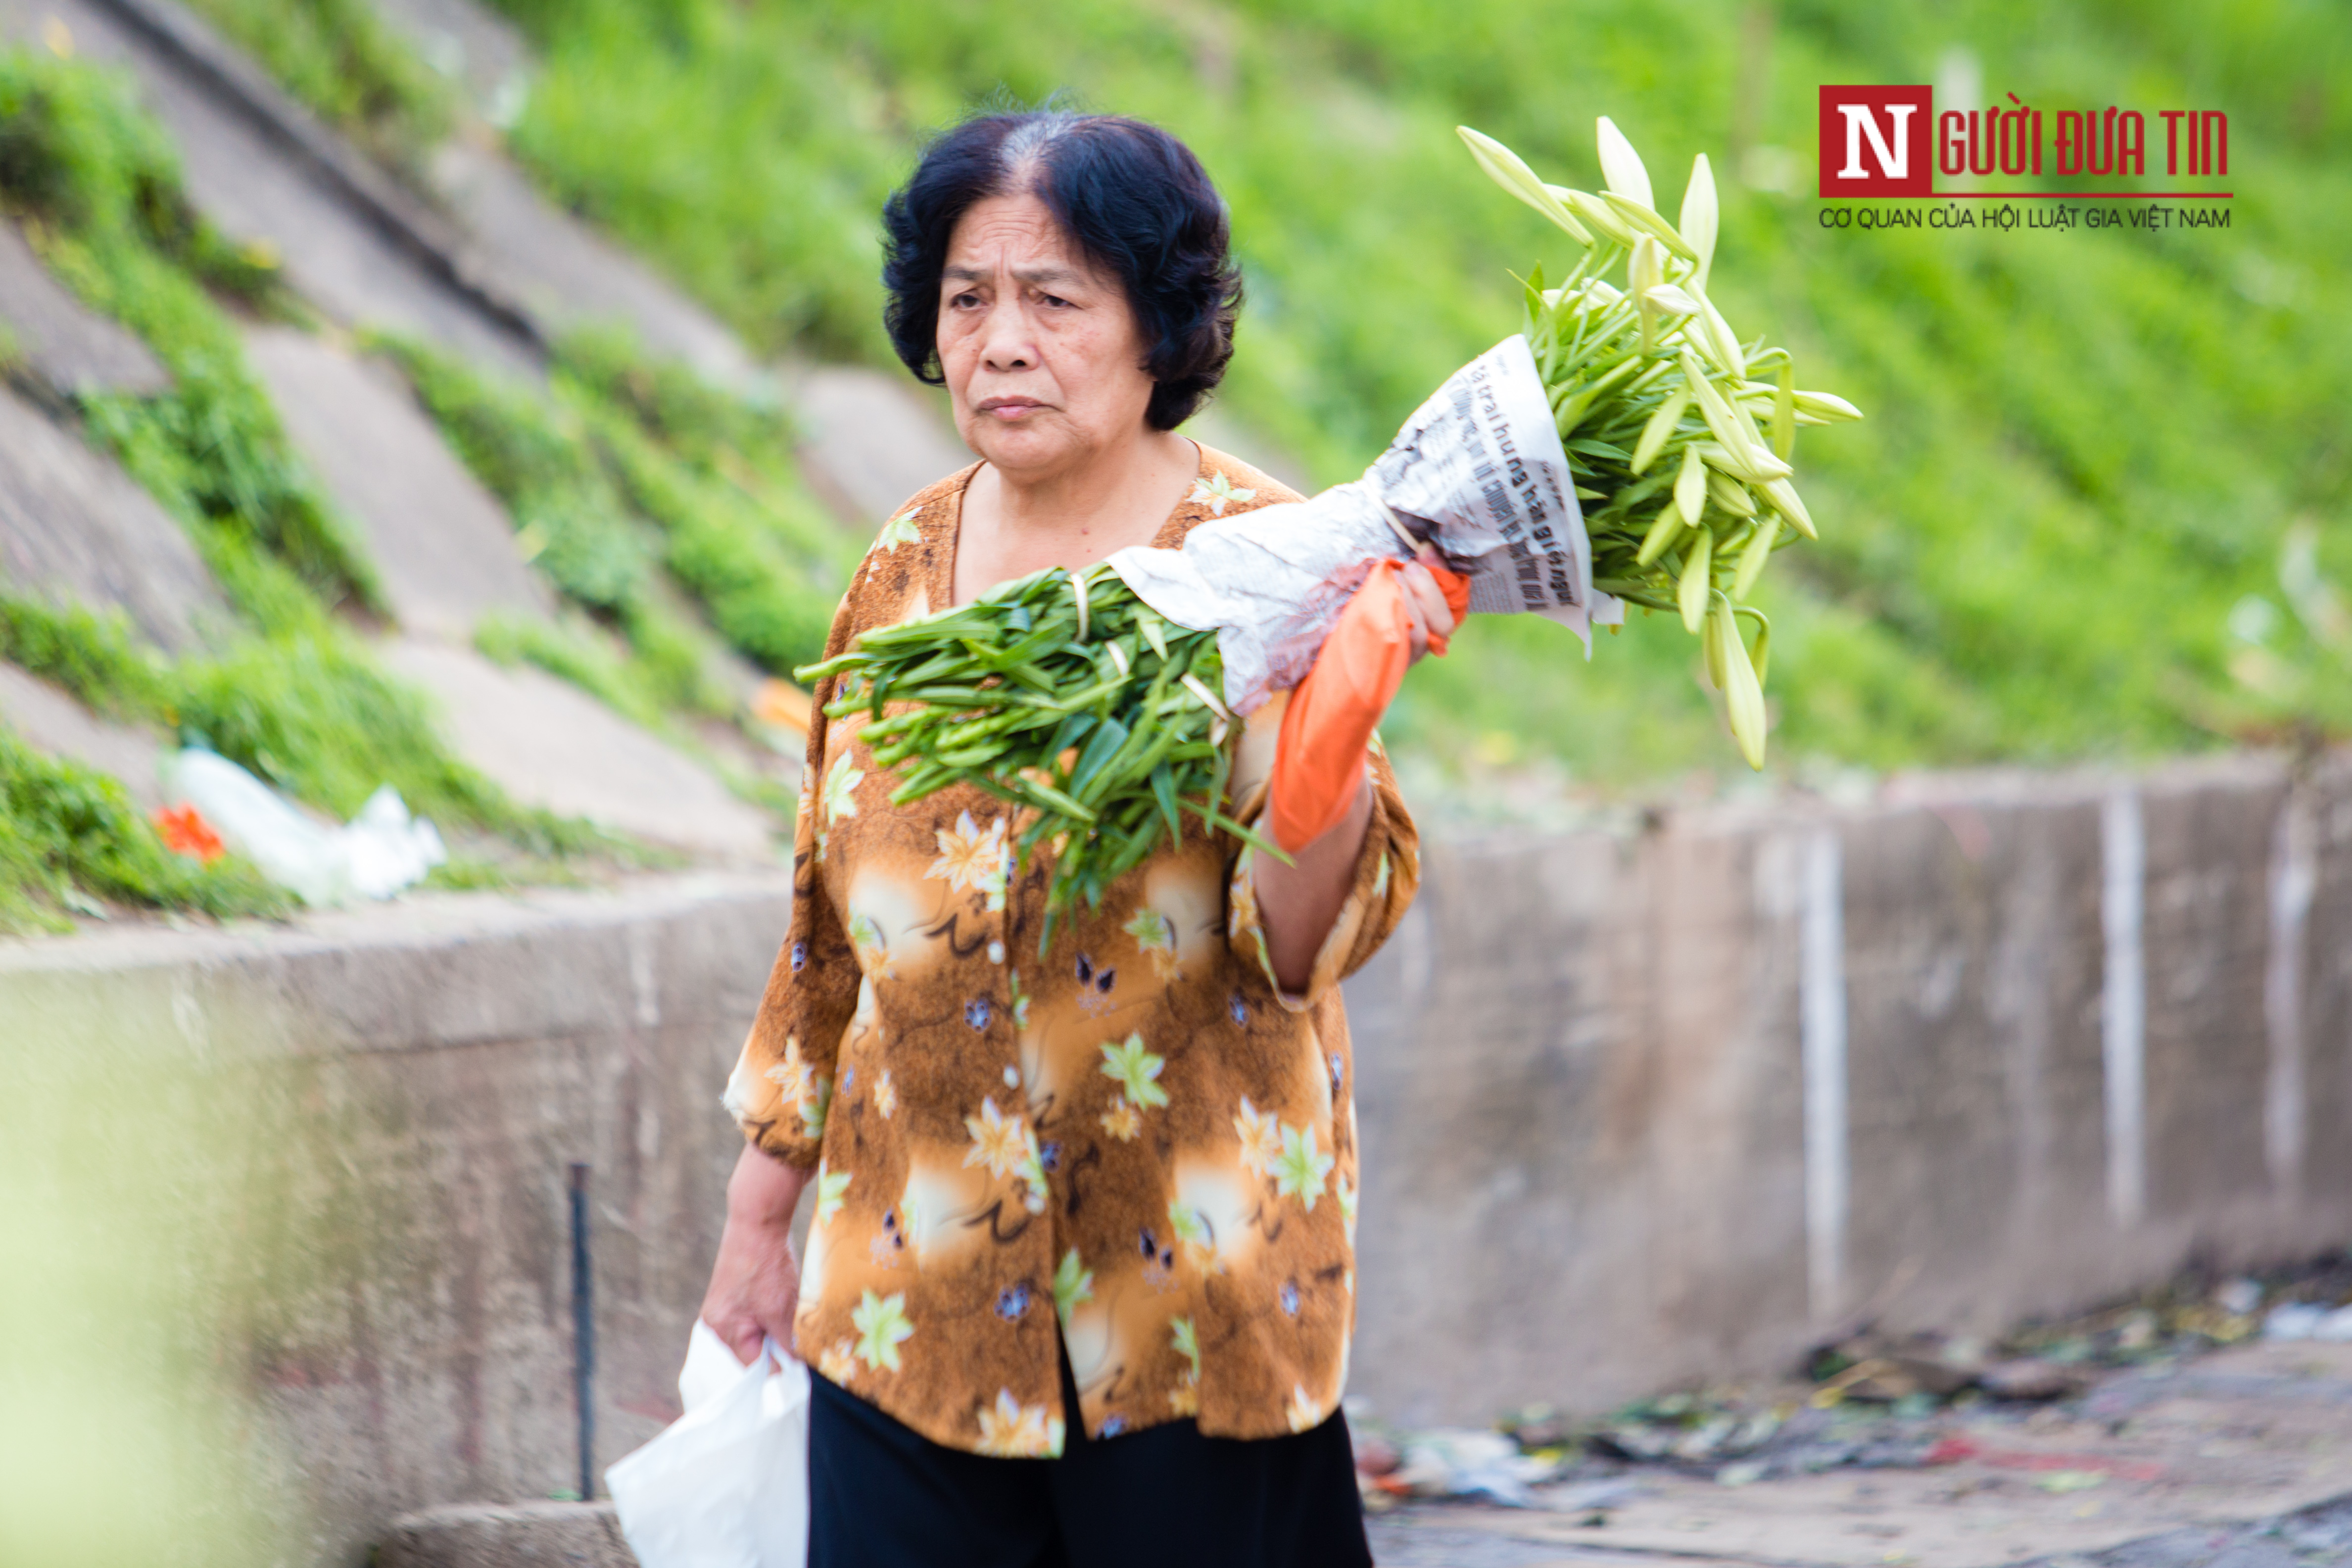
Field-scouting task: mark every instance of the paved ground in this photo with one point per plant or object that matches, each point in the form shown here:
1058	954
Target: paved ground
2312	1538
2242	1459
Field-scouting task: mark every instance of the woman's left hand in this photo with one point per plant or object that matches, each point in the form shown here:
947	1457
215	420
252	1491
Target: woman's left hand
1425	604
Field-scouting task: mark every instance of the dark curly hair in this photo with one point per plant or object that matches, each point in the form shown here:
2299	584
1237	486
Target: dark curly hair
1134	200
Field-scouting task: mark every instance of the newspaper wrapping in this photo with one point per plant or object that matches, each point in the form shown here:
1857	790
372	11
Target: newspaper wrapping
1478	473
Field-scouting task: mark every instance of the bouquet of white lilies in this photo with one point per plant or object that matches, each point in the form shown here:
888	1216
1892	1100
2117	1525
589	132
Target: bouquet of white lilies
1658	405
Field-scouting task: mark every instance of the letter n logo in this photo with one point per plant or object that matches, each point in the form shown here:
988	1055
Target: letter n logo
1877	141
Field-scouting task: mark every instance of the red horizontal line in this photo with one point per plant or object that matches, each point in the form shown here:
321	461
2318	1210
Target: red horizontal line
2076	196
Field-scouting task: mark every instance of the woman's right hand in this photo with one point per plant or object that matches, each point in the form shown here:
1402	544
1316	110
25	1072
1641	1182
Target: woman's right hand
755	1285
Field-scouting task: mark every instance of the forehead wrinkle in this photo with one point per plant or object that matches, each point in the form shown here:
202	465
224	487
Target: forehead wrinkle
968	272
1024	274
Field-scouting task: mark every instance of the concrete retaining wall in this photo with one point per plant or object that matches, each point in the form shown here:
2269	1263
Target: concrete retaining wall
1636	1109
1643	1109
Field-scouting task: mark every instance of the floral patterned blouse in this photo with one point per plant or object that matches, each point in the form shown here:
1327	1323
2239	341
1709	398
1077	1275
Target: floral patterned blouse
1136	1144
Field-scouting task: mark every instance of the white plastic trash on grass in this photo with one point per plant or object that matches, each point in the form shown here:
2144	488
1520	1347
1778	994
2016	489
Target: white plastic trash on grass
1456	1461
2304	1320
383	850
726	1484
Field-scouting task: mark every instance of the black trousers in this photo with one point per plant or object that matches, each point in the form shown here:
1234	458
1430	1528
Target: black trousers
882	1495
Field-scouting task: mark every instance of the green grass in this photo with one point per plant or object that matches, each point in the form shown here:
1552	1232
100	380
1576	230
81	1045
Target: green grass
70	836
342	61
2084	449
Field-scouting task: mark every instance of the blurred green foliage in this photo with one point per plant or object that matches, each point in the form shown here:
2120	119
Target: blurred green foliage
341	59
147	1248
2084	448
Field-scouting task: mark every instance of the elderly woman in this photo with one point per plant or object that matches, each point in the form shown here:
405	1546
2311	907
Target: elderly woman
1080	1276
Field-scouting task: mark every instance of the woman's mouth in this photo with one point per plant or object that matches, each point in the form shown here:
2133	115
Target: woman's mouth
1010	408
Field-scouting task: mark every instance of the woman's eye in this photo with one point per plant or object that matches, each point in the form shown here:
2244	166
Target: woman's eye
964	301
1056	300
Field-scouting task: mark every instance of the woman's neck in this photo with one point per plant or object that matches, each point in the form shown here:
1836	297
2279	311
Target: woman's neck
1015	524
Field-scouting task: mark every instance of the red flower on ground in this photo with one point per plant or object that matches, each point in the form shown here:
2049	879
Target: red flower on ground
185	832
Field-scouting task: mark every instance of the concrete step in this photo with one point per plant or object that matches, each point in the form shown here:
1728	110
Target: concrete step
442	545
486	54
567	275
445	549
52	720
549	744
873	438
352	240
70	349
74	528
508	1535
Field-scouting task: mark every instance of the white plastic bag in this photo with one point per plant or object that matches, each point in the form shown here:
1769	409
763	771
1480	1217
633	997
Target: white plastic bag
725	1485
381	852
387	848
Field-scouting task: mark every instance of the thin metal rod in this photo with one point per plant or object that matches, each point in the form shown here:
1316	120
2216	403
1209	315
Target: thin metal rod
583	1332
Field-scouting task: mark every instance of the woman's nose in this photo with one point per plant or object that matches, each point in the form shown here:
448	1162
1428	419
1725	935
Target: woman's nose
1009	346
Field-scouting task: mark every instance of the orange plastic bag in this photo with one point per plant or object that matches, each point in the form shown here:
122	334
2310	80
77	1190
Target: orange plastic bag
1319	758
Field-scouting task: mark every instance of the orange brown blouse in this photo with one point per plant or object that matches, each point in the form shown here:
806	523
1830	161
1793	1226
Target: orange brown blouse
1134	1144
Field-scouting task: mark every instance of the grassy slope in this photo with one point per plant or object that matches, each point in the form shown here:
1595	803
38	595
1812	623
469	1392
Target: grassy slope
288	692
627	462
2084	447
627	465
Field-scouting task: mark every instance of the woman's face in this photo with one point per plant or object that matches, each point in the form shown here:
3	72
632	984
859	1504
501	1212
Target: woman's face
1040	349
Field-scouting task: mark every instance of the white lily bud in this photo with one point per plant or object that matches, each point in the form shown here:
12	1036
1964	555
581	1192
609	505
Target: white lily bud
1648	271
1622	168
1506	169
1699	215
